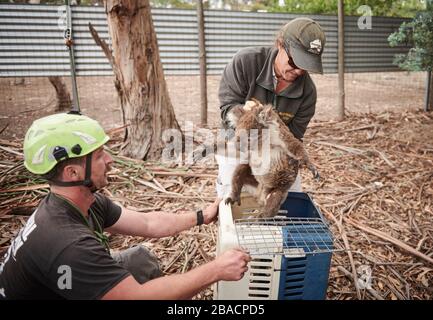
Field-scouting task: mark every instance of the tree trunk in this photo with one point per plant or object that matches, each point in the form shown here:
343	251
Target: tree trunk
63	97
144	100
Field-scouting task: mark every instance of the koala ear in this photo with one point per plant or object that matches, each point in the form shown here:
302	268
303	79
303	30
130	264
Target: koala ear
268	111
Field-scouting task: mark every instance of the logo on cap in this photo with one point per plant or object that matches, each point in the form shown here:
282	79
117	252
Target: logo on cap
315	46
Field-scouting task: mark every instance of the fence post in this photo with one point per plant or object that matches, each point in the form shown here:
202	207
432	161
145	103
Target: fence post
429	92
202	60
341	93
70	44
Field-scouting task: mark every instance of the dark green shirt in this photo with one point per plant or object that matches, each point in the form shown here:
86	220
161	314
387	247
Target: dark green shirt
57	256
250	75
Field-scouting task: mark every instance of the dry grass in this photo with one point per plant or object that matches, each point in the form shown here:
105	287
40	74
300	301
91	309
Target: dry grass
376	191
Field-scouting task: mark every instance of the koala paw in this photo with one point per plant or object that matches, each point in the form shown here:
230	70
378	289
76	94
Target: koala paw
233	199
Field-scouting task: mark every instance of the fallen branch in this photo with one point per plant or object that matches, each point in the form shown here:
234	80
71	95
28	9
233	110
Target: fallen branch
382	155
12	151
177	197
29	188
185	174
388	238
360	128
349	252
10	143
340	147
155	187
4	128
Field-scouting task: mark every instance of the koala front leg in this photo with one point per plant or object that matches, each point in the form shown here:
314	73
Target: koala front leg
233	116
241	176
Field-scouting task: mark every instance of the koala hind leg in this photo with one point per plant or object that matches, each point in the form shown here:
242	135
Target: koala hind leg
274	199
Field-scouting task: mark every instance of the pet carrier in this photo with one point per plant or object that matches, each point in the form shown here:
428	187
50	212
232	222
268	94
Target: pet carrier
291	252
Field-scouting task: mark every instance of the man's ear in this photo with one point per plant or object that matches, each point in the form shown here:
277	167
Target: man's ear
72	172
280	44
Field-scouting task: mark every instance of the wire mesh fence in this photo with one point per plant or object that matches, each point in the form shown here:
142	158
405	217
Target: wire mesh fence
23	100
34	63
371	92
288	236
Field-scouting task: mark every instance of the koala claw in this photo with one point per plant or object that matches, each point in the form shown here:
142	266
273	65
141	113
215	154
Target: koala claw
232	200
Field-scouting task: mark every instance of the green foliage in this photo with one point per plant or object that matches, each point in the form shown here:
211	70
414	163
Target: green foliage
389	8
59	2
311	6
399	8
180	4
417	33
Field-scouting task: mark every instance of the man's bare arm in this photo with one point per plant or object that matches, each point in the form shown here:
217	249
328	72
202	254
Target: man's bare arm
159	224
230	266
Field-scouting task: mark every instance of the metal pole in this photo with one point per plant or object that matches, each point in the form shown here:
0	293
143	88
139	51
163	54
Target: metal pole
341	93
202	60
70	44
429	92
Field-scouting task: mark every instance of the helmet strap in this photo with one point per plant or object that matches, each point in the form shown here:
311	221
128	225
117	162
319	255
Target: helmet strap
75	112
87	182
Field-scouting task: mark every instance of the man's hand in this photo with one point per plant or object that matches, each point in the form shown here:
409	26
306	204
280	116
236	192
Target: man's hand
249	105
232	264
252	104
210	213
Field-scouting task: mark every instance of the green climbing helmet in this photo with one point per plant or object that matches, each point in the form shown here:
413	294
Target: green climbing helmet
58	137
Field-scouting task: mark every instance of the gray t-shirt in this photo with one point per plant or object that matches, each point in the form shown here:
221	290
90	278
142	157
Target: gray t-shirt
57	256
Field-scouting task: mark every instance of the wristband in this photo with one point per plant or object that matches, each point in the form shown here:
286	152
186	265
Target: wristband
200	218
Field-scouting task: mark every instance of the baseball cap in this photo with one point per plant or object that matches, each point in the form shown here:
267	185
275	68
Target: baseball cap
304	40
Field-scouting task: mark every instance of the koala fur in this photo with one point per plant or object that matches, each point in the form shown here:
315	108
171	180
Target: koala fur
286	155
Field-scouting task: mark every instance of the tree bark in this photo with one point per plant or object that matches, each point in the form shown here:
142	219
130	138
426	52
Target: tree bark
144	99
64	101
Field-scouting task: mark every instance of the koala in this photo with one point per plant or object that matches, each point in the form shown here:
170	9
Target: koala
287	155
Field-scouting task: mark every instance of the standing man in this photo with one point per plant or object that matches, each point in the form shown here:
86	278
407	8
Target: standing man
273	75
62	252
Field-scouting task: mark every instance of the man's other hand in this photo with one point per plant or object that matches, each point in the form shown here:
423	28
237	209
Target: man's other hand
232	264
211	213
